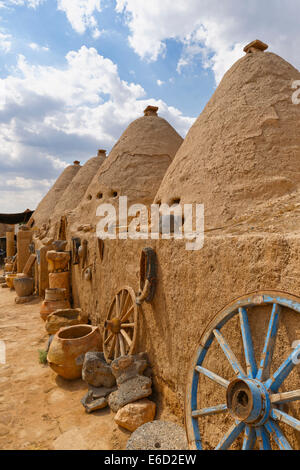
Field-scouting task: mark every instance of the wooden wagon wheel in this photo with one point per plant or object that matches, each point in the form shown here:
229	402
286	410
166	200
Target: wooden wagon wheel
254	401
120	327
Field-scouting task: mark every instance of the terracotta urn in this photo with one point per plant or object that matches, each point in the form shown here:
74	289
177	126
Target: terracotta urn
68	345
58	261
8	267
9	278
55	299
24	286
62	318
61	281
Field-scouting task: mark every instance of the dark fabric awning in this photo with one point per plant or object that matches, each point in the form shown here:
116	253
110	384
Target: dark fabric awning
13	219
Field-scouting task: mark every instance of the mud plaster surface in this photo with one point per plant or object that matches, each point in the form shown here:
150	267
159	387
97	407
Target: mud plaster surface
192	287
241	158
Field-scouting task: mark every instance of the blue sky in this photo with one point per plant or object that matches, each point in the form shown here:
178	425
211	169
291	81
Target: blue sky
75	73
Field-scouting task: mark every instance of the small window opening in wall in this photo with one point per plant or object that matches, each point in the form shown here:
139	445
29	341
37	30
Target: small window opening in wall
99	195
114	194
176	201
89	197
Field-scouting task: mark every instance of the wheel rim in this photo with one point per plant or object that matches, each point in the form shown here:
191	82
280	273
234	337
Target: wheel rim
120	326
252	398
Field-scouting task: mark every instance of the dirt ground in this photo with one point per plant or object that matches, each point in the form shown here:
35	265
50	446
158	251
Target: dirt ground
39	410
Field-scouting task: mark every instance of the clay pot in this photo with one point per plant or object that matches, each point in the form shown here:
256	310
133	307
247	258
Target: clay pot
55	299
24	286
68	344
58	261
63	318
60	281
9	278
8	267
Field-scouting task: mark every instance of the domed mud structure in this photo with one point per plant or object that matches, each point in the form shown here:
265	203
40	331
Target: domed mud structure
135	166
75	191
241	158
48	203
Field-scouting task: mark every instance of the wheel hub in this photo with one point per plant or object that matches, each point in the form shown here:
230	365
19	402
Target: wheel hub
248	401
113	325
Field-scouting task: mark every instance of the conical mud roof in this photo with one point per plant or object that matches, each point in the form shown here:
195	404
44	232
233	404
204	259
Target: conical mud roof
241	158
135	166
47	205
75	191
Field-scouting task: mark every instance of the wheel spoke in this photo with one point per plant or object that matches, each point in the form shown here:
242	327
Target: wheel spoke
249	439
229	354
267	354
117	347
127	314
209	411
278	435
127	325
108	338
125	305
127	339
280	416
248	344
122	347
287	397
117	306
282	372
211	375
111	349
230	436
263	438
122	300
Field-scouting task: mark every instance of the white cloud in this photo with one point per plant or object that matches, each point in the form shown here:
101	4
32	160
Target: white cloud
51	116
212	30
28	3
36	47
5	42
160	82
27	183
80	14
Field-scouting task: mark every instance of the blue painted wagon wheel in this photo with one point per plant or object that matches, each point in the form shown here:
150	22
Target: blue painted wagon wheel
254	399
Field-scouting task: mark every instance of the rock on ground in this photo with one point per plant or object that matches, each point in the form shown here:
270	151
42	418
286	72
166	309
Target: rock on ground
134	415
128	367
158	435
130	391
90	404
96	371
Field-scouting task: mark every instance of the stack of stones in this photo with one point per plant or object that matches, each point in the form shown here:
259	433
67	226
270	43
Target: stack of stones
122	385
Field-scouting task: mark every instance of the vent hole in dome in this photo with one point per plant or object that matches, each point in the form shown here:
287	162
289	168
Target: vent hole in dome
176	201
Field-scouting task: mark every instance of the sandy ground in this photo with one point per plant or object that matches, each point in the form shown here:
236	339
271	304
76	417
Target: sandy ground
39	410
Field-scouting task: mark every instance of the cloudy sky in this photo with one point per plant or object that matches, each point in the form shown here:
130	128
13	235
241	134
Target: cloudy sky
75	73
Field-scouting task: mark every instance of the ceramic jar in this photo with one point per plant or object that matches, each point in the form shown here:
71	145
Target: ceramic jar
24	286
55	299
9	278
63	318
8	267
58	261
60	281
68	344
